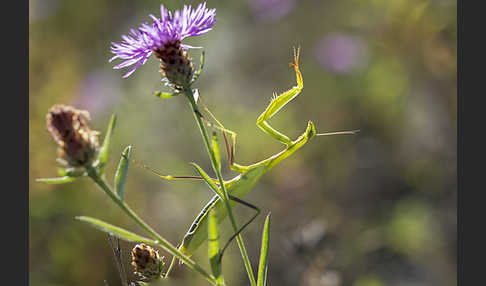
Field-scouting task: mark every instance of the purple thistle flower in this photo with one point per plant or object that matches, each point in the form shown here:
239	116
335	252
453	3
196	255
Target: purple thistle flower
168	30
342	53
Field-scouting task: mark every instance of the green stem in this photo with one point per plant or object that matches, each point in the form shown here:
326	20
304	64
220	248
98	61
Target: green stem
94	174
190	95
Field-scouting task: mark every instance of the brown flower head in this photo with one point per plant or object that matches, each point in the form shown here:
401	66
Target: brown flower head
146	261
77	143
175	64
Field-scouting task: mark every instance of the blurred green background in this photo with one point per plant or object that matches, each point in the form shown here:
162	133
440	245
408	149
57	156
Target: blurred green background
373	209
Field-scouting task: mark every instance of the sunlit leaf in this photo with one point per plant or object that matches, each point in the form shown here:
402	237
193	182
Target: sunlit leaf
165	94
213	248
199	71
208	180
60	180
115	230
263	266
217	154
104	150
122	171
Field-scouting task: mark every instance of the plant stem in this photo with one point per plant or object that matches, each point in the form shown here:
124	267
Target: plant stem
190	95
94	174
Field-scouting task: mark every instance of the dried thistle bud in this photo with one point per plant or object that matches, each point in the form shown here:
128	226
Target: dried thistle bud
175	64
77	143
146	261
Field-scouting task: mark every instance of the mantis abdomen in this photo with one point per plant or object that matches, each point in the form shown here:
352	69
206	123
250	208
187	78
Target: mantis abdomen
238	187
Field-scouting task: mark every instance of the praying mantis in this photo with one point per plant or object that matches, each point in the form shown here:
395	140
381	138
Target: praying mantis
248	175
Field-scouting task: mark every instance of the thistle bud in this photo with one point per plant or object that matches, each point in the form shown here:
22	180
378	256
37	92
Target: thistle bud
175	64
146	261
77	143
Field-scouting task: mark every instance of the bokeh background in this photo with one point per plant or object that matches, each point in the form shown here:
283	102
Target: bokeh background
373	209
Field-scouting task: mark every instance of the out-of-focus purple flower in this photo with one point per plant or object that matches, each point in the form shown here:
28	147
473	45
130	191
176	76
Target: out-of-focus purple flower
271	10
97	90
39	10
168	30
341	53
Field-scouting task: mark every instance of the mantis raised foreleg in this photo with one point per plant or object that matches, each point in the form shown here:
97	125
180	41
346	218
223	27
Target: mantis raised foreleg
277	102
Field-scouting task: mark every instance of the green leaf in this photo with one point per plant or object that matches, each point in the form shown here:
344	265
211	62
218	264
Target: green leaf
115	230
71	172
208	180
62	172
201	66
165	94
60	180
213	248
217	154
122	171
104	150
263	266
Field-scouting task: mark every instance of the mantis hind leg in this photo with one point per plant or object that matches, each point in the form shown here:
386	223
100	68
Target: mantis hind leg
170	177
240	201
247	204
167	177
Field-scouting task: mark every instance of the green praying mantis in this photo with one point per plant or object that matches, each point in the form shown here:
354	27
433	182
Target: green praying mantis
248	175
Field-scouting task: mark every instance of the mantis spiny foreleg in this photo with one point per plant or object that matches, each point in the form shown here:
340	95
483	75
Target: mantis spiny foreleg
279	101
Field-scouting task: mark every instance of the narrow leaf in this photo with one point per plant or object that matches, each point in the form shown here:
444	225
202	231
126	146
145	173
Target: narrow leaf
122	171
62	172
104	150
213	248
115	230
208	180
201	66
165	94
202	61
263	266
75	172
217	154
60	180
70	172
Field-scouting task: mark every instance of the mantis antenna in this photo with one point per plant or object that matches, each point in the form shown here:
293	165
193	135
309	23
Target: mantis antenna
352	132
